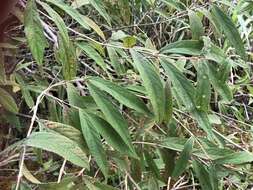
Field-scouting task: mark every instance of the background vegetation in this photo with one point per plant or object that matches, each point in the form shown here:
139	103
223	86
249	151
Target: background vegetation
127	94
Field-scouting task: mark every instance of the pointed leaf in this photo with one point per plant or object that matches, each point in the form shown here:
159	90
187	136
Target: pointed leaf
7	101
60	145
121	94
196	25
152	83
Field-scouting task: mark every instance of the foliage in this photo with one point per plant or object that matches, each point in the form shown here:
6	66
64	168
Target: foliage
152	94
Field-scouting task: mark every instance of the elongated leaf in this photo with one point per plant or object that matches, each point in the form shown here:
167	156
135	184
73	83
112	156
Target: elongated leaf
66	55
168	103
175	4
152	83
100	7
196	25
217	80
70	11
203	175
236	158
185	91
60	145
94	143
152	165
182	161
93	54
7	101
111	114
115	60
121	94
203	90
57	20
94	26
229	30
188	47
108	133
34	32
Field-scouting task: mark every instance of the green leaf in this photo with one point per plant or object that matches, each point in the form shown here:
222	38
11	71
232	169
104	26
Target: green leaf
57	20
70	11
185	91
168	103
93	54
203	175
182	161
236	158
109	134
121	94
188	47
229	30
76	100
175	4
100	7
94	143
7	101
2	69
129	41
112	115
196	25
60	145
218	81
34	32
152	83
115	61
203	90
152	165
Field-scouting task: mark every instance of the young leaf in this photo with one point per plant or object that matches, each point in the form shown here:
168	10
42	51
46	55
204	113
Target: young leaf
7	101
94	26
34	32
182	161
60	145
196	25
188	47
93	141
229	30
152	83
111	114
121	94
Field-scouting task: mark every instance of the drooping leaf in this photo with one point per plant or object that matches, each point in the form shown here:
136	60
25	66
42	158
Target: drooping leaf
229	30
70	11
217	80
115	60
121	94
94	143
34	32
182	161
152	83
93	54
100	7
94	26
109	134
7	101
58	144
112	115
196	25
188	47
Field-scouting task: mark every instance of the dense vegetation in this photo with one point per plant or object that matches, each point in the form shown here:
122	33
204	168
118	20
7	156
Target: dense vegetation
127	94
